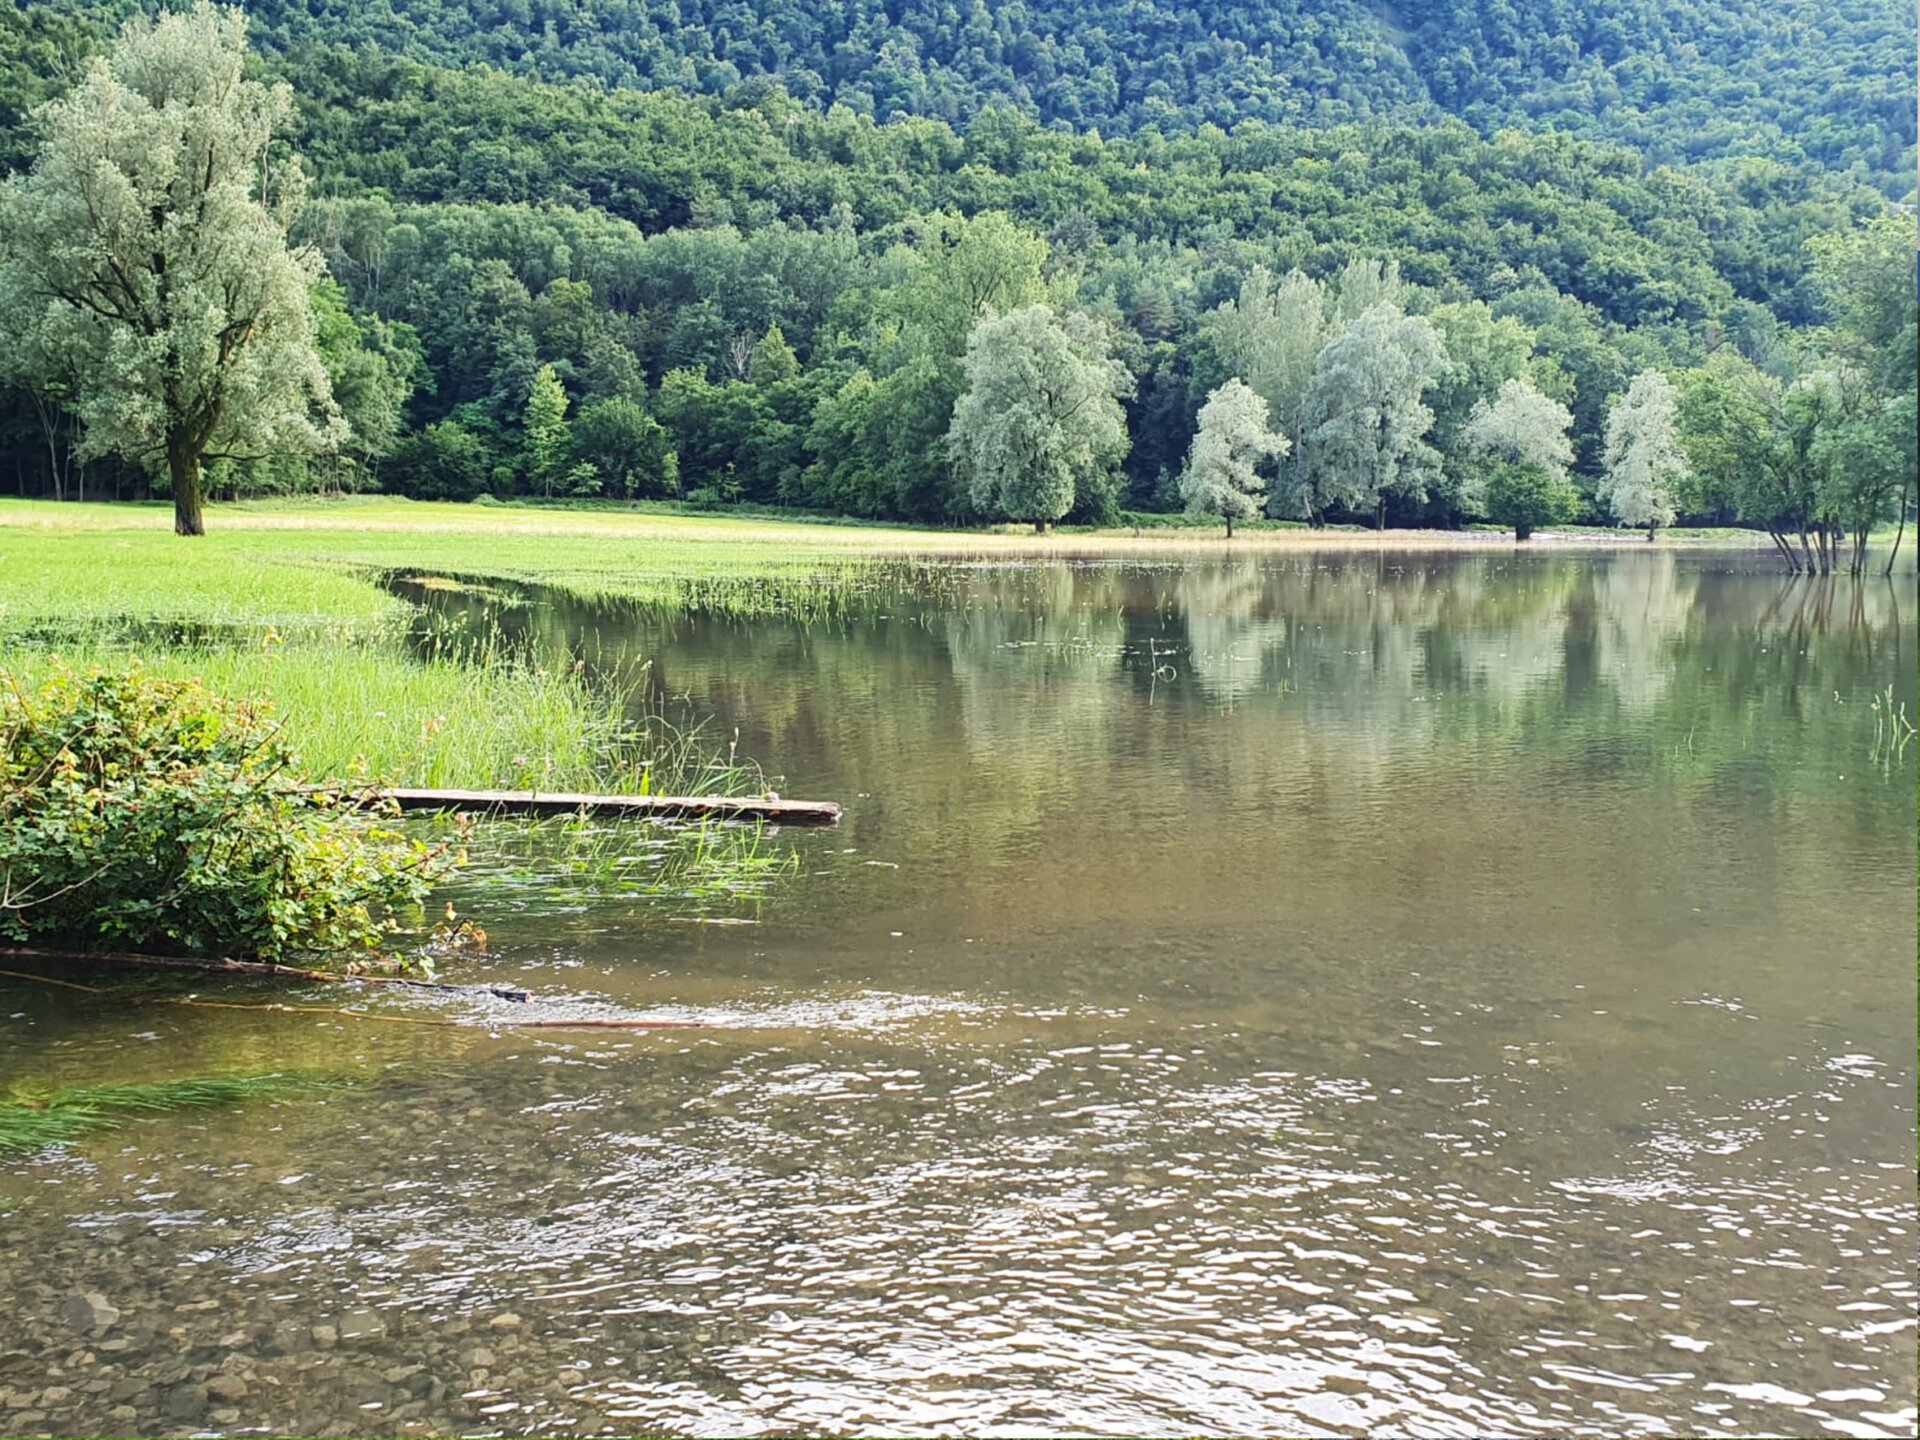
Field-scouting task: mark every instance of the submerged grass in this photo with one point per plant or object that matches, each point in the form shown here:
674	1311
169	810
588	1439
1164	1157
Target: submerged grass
32	1118
572	863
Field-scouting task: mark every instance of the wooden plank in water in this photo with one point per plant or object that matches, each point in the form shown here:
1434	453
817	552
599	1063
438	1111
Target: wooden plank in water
657	807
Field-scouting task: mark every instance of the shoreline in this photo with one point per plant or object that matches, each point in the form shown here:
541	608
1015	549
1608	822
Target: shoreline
382	515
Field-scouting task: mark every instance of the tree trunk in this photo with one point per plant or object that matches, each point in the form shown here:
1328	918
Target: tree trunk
50	427
1380	514
1899	533
1650	529
1229	527
183	469
1522	532
1781	544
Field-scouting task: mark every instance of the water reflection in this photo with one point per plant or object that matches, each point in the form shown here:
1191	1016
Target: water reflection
1417	995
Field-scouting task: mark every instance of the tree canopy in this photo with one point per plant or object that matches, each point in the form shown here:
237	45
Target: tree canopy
1827	81
1039	428
144	263
1223	467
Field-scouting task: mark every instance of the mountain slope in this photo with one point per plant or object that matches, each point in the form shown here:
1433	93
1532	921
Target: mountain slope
1830	81
1826	81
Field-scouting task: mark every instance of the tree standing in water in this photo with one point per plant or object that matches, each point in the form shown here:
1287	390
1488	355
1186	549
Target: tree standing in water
1524	435
1039	428
146	254
1370	439
1223	467
1644	458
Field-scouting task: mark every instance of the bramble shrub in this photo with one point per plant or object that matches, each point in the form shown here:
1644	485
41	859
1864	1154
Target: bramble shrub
148	814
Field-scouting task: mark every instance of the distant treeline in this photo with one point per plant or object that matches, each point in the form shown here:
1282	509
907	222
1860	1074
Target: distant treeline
746	298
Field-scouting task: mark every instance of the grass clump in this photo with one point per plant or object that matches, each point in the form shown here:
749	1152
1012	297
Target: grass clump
33	1118
145	813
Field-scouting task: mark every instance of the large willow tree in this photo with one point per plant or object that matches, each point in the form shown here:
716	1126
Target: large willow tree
1039	428
145	260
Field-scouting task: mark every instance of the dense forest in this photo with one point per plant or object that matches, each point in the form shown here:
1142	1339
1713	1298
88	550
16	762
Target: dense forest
1794	80
542	284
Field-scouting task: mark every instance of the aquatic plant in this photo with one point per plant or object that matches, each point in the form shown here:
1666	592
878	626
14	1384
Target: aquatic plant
572	862
34	1117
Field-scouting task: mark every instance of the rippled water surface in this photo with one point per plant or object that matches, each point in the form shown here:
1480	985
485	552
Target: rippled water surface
1429	996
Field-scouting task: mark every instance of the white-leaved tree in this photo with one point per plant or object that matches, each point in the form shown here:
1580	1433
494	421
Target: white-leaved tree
1223	466
1644	460
1270	336
146	255
1039	427
1521	436
1368	421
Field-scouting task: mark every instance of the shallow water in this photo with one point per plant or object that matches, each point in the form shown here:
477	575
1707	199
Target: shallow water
1451	995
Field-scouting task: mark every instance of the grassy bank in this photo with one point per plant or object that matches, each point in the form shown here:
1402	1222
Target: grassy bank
297	615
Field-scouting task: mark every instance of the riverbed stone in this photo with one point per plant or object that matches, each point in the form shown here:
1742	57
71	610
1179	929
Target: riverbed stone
186	1400
227	1388
360	1326
92	1311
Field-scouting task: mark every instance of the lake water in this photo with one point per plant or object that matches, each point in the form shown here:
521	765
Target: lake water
1425	995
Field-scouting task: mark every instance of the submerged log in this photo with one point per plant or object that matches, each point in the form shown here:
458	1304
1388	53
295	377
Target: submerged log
635	807
245	969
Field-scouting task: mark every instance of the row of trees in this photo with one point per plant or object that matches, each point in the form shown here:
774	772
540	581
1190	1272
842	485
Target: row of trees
948	366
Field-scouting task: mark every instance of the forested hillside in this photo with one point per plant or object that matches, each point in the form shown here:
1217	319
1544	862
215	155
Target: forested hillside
1827	81
745	297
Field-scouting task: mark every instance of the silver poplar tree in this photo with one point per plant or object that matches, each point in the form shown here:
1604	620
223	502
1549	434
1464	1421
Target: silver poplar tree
1522	427
1223	466
146	254
1368	421
1271	336
1040	419
1643	455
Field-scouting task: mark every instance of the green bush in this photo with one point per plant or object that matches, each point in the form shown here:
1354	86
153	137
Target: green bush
1525	496
150	814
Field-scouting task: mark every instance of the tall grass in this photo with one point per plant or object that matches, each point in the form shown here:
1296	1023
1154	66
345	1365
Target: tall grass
369	710
328	646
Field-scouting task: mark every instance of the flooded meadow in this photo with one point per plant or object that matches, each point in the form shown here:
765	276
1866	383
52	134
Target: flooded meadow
1448	994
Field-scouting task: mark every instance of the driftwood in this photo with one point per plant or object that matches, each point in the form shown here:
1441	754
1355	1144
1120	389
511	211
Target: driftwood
248	968
633	807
